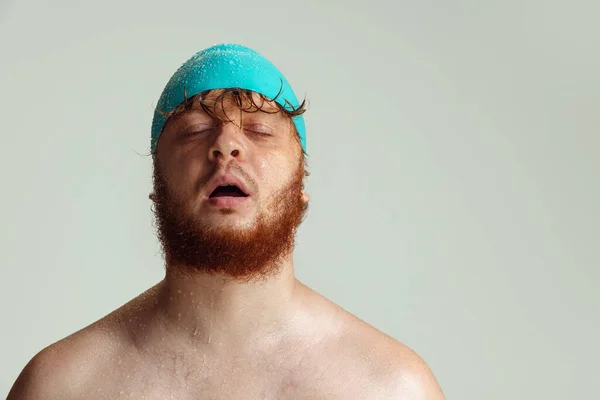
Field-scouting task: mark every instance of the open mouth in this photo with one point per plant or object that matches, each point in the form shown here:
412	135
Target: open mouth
227	191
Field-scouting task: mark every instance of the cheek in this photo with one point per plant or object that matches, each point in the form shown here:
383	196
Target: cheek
264	166
183	177
274	172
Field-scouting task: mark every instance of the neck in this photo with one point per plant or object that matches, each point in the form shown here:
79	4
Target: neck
214	309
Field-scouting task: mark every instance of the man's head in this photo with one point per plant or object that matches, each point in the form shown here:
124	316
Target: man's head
225	66
229	168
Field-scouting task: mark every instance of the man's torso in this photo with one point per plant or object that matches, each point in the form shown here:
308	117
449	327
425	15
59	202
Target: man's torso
334	356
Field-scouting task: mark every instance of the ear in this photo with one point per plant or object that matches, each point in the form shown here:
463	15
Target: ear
305	197
152	197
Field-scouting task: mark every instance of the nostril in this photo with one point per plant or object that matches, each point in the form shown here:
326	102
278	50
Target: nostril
215	153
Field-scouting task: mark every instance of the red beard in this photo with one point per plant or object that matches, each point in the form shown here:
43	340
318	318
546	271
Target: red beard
256	252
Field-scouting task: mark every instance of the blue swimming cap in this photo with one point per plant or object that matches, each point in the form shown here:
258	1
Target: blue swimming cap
225	66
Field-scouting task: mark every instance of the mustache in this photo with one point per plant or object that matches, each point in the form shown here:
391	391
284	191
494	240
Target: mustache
231	168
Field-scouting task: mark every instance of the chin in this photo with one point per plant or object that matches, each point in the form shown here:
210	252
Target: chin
228	219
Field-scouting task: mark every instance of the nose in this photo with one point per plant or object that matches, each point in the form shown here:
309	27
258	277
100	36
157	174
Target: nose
228	144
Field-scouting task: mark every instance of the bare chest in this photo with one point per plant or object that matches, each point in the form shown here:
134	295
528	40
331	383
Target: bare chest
176	377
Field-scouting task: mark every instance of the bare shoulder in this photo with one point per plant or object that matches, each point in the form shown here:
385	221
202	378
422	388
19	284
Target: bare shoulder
397	369
60	370
64	369
403	373
393	369
38	379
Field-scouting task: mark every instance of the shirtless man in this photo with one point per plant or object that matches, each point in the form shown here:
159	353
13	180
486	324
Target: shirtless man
229	320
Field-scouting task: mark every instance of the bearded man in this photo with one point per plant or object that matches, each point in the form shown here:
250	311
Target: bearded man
229	320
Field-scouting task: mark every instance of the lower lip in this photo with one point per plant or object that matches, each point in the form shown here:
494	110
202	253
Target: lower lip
226	201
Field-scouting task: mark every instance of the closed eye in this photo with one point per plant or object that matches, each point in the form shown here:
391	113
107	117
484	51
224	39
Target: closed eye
259	130
264	134
197	132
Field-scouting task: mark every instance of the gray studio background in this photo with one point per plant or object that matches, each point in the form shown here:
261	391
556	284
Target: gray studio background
454	156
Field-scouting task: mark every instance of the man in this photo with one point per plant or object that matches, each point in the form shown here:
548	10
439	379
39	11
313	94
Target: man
229	321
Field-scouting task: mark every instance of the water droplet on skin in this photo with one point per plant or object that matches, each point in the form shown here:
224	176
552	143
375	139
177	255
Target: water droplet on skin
179	291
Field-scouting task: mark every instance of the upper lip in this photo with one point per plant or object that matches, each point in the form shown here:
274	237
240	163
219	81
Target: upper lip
227	179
